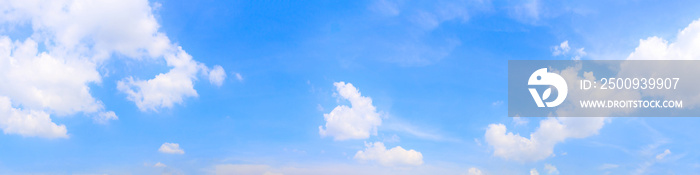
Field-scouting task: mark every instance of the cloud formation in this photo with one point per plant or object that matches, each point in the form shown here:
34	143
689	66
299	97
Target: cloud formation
77	38
28	122
356	122
171	148
551	169
396	156
217	75
541	143
564	49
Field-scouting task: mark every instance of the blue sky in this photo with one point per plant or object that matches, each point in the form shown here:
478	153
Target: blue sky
435	73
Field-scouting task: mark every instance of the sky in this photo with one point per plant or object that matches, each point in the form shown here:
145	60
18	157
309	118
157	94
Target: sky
319	87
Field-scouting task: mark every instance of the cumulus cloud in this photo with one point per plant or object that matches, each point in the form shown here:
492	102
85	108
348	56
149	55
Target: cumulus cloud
104	117
78	36
564	49
684	47
44	84
541	143
166	89
396	156
217	75
561	48
551	169
171	148
356	122
553	130
28	122
656	48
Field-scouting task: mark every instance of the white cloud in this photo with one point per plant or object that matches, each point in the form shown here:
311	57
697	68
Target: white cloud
551	169
396	156
534	172
171	148
564	49
541	143
561	48
44	84
217	75
662	155
243	169
166	89
28	122
159	165
474	171
356	122
77	43
683	48
43	81
104	117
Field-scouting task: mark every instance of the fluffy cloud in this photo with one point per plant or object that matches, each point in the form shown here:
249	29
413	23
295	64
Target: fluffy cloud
42	84
356	122
551	169
104	117
28	122
561	48
171	148
541	143
165	89
217	75
77	37
44	81
684	48
564	49
655	48
396	156
554	130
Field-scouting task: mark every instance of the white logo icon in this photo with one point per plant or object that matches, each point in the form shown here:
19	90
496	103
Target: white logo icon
542	77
